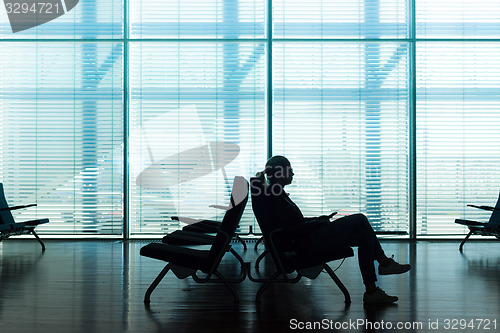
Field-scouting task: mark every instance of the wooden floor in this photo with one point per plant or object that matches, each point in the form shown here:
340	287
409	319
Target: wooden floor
98	286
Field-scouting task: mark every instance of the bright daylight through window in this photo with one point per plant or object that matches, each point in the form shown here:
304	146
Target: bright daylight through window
388	107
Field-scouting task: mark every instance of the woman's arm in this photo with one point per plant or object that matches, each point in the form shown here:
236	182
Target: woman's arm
325	218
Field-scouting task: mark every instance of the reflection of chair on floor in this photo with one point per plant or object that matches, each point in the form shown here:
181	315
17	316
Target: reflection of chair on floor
8	227
285	261
491	228
186	261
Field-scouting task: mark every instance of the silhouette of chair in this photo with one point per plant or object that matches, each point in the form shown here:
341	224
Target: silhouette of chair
203	232
189	234
206	235
8	227
287	262
491	228
186	261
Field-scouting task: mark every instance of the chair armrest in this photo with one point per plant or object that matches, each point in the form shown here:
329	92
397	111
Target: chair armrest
187	220
295	231
220	207
17	207
305	226
190	220
484	207
298	229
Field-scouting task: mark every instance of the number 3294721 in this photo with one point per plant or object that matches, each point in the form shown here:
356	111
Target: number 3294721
35	8
462	324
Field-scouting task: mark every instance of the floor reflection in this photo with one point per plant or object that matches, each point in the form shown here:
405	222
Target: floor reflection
99	286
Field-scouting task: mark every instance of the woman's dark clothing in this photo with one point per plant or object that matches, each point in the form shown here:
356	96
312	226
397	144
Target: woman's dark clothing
352	230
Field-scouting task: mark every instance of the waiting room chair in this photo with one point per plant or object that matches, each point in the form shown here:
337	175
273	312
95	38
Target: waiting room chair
288	262
206	235
491	228
8	227
188	260
189	234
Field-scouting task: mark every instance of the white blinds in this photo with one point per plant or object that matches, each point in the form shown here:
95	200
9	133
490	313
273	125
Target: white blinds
61	130
197	119
458	124
197	76
197	19
190	96
89	19
341	117
458	19
458	86
340	110
340	19
185	96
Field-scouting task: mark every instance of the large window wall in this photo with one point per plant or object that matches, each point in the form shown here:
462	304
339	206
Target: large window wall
61	119
341	83
120	114
457	120
197	119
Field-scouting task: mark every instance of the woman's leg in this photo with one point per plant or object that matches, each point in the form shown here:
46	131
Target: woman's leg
359	223
353	230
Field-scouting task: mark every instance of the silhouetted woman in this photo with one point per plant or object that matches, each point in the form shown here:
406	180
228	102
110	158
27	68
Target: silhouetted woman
353	230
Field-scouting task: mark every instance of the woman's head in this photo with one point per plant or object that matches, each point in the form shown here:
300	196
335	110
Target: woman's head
279	170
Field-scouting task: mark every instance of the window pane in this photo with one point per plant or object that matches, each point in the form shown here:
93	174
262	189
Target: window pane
197	119
61	136
458	155
341	116
197	19
458	18
88	19
340	19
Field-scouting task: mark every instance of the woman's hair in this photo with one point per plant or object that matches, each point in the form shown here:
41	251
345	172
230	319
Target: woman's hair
277	166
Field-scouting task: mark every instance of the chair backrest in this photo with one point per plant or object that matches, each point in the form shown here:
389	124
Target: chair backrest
5	215
229	224
263	213
495	216
285	257
258	190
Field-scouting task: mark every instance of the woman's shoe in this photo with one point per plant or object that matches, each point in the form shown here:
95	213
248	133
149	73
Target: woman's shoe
378	296
392	267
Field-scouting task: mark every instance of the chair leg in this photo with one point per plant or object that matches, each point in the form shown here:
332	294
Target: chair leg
155	284
38	239
261	239
460	248
259	259
229	286
335	278
242	242
264	287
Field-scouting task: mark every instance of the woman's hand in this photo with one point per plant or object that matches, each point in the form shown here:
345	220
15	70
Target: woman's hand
332	214
327	217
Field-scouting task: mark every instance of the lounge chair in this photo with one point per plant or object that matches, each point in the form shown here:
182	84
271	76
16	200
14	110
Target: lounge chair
491	228
186	261
203	232
8	227
287	262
